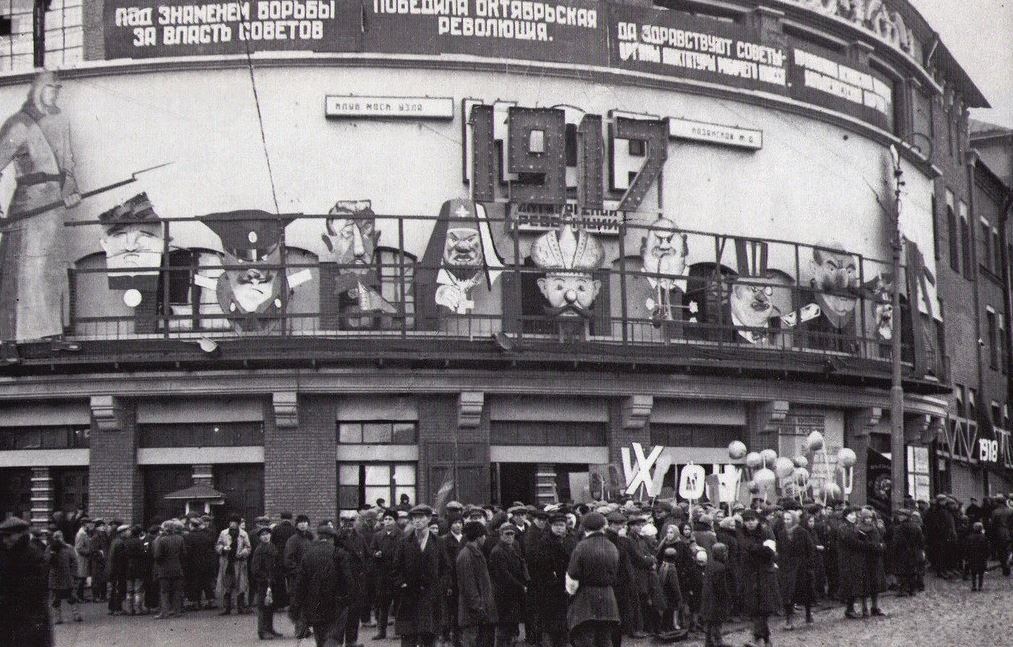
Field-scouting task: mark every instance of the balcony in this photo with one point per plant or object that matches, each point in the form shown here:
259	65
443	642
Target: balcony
705	302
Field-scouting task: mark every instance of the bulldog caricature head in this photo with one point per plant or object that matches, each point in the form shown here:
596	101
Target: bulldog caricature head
835	278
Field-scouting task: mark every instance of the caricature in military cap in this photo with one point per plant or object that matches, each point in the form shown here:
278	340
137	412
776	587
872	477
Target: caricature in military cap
133	241
253	289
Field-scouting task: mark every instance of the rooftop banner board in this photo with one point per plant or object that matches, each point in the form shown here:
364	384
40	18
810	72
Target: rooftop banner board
153	29
679	45
562	31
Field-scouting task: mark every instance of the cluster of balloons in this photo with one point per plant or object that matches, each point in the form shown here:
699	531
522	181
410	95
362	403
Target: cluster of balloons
766	467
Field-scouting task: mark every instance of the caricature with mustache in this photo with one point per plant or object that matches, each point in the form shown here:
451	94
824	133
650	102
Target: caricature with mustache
349	270
253	290
569	260
834	283
134	243
658	294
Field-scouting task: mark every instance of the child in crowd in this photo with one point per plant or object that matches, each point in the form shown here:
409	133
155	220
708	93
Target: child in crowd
976	550
716	597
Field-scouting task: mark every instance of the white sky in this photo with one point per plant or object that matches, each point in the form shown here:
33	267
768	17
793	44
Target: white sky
979	33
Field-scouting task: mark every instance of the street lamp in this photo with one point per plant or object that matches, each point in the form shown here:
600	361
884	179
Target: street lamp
897	456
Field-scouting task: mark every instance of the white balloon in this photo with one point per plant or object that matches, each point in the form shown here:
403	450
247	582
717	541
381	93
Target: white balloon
768	456
752	487
736	449
764	477
846	457
833	491
753	460
784	467
814	441
801	475
801	461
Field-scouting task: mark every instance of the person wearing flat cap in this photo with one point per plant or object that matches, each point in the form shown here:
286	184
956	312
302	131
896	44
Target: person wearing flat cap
625	586
420	572
476	604
761	595
321	588
264	573
548	559
24	577
509	573
591	578
383	549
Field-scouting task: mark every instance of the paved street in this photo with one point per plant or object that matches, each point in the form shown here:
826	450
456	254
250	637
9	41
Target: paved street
947	615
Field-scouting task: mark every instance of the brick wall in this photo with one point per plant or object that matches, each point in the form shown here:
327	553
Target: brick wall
300	463
115	486
94	46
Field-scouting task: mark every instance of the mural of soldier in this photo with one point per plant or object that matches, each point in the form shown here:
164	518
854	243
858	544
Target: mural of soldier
658	294
134	242
253	289
834	283
349	279
460	258
33	263
569	259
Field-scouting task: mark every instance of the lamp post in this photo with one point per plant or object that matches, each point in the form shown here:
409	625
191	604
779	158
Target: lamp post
897	455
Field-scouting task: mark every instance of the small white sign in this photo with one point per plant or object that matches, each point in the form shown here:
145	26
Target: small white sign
352	107
691	482
715	133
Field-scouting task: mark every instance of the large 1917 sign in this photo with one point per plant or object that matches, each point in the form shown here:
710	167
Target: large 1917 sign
567	31
149	28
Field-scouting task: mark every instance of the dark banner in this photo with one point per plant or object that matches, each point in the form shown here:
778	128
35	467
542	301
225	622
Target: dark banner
149	28
831	81
562	31
681	45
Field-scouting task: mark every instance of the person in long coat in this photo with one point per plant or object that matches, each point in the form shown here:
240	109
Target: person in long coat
726	532
321	588
264	576
625	587
761	596
644	566
24	575
420	571
509	573
591	578
476	604
796	566
906	548
233	548
62	560
716	598
98	558
860	551
138	570
350	539
383	549
453	541
550	556
117	565
169	553
82	546
200	566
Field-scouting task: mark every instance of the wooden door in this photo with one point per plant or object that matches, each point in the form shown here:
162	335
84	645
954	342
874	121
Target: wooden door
160	481
243	487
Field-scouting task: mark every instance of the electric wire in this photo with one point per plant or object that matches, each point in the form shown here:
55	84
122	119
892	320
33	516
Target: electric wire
260	121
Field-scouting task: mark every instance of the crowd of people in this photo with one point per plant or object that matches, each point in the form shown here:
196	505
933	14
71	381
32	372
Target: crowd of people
482	576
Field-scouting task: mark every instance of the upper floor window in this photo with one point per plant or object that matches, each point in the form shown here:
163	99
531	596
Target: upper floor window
377	433
986	245
37	32
965	241
993	339
952	233
47	437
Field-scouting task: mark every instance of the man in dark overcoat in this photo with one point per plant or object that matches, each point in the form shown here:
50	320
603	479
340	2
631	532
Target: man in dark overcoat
452	541
716	598
420	572
548	562
264	576
643	562
860	550
591	577
626	586
280	535
24	577
351	540
760	593
322	588
201	566
476	604
906	548
384	551
509	573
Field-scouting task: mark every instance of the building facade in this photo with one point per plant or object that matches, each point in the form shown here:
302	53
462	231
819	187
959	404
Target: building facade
477	250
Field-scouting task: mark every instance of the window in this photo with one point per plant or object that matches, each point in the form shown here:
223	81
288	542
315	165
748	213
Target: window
64	37
972	404
1003	343
993	339
676	435
935	228
206	434
996	414
48	437
377	433
564	433
951	231
918	477
986	247
996	252
965	241
362	484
